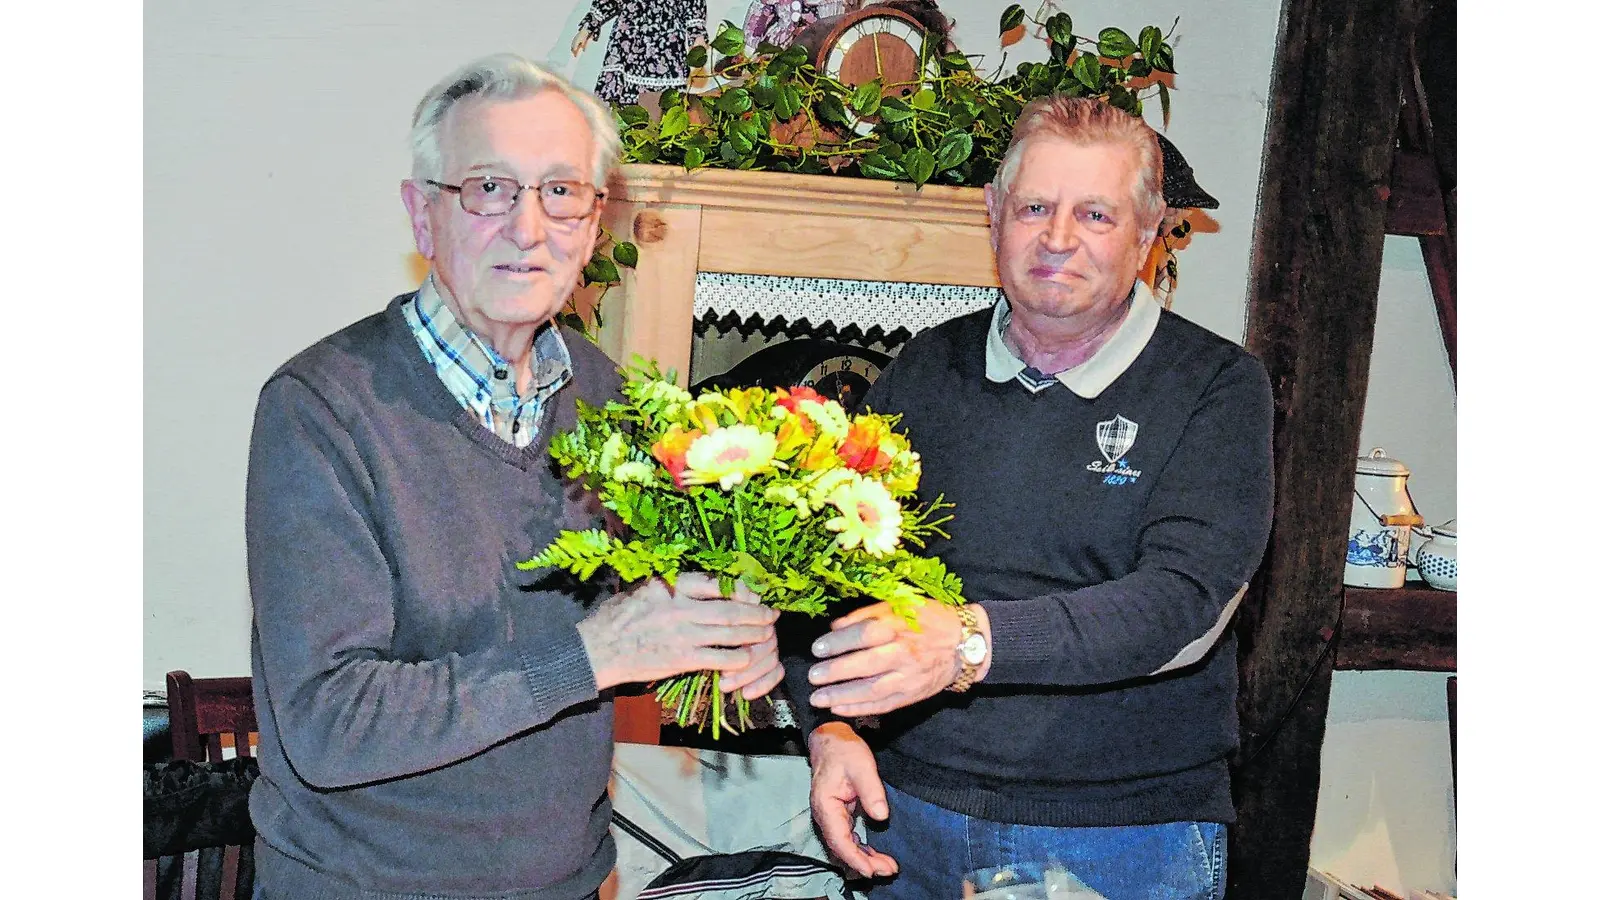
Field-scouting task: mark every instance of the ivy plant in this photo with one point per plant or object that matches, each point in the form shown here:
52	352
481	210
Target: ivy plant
772	110
605	270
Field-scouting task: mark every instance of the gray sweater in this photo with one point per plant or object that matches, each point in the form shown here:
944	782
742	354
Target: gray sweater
430	724
1107	581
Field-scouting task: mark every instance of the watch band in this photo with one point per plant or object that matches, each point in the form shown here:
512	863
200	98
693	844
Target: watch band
969	672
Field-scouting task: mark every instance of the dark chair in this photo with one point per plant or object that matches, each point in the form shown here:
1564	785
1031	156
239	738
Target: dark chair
207	716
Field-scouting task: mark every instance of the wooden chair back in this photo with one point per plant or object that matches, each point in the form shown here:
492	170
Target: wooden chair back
207	717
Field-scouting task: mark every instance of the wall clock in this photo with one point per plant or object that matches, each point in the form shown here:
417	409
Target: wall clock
842	372
876	42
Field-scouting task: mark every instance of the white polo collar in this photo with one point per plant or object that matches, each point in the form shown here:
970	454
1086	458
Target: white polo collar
1092	376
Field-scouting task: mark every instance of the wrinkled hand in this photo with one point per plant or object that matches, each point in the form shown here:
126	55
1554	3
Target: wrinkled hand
844	781
654	631
580	41
874	663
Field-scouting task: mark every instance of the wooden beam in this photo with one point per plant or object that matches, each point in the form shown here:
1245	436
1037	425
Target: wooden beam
1317	254
1412	628
1438	256
1416	203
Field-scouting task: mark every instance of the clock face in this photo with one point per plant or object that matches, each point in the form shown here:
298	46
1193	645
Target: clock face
842	378
884	44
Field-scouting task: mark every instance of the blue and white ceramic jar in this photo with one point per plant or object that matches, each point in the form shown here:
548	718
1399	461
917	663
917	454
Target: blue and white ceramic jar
1381	518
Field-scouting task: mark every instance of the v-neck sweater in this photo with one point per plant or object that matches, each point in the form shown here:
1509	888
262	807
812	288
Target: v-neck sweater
1107	538
430	723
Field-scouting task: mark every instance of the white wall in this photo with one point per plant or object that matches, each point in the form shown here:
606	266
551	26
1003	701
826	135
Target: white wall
1386	807
275	143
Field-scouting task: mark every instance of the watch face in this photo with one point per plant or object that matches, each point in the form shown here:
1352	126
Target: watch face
974	649
843	378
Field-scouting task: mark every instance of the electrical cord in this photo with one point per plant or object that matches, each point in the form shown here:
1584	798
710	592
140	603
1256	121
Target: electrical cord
1294	704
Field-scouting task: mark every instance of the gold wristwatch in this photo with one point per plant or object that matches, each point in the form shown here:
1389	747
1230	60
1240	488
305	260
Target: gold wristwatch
971	651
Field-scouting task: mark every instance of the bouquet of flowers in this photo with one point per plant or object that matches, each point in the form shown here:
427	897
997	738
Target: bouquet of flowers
782	489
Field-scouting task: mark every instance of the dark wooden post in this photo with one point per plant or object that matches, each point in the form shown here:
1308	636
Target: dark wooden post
1318	248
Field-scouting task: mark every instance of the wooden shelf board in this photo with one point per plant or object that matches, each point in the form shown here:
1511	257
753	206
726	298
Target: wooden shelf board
1411	627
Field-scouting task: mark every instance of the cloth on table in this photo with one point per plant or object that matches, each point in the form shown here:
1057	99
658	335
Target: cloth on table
740	824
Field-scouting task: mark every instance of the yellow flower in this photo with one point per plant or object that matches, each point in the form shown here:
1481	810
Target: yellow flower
702	413
729	455
743	402
868	517
819	491
905	474
820	458
611	453
668	397
667	392
635	472
794	432
829	416
787	495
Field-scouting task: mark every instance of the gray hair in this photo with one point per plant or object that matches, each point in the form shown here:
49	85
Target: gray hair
506	76
1082	121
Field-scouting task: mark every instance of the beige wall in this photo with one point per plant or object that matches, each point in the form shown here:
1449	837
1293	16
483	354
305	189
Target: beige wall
274	146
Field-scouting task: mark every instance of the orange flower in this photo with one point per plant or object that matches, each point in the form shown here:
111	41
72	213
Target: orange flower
863	448
789	398
672	451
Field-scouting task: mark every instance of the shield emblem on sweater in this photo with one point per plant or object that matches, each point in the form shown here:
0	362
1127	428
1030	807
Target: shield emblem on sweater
1115	437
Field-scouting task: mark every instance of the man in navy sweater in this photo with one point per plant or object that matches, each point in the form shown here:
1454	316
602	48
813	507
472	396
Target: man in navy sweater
1110	465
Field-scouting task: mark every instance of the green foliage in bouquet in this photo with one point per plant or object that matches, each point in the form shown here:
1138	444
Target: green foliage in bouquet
782	490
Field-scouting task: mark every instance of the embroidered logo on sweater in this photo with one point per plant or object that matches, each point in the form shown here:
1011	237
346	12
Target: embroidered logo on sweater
1115	438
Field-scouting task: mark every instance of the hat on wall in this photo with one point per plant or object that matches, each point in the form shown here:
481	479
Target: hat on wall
1178	186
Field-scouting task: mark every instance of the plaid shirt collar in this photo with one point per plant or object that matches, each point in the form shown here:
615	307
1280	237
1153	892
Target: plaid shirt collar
478	377
1090	377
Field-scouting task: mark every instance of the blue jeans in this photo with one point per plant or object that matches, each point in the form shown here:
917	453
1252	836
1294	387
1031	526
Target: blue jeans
935	847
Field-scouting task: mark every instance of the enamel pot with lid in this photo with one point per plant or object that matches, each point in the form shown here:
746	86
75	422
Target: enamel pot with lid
1381	518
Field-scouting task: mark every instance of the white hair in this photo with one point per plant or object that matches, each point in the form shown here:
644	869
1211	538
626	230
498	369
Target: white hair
506	76
1083	121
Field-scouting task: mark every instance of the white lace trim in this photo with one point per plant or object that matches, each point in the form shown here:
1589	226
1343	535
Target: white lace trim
886	304
646	81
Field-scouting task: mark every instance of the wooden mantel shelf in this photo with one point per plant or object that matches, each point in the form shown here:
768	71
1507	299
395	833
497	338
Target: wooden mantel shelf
1411	627
784	192
775	223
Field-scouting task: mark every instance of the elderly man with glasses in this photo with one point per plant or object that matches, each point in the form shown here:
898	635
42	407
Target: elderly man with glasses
434	721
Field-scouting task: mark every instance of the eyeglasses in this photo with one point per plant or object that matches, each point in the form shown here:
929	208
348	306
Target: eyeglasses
497	196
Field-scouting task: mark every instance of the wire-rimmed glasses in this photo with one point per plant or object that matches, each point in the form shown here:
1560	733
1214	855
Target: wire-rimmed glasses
496	196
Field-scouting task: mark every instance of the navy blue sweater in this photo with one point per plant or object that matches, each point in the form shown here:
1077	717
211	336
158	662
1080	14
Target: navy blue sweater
1107	577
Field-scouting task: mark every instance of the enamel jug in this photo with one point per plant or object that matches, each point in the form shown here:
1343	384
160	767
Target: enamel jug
1434	555
1381	518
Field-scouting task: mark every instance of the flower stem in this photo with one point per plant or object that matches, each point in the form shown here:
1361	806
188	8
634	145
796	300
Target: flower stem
705	525
716	700
738	517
